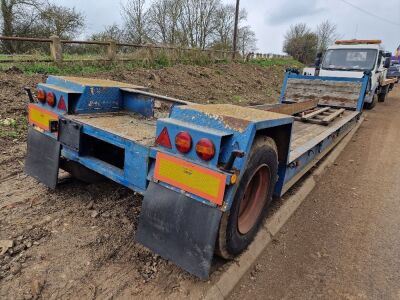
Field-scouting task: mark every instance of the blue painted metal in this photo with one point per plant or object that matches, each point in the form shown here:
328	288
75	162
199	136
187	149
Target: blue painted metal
140	104
174	126
139	160
83	99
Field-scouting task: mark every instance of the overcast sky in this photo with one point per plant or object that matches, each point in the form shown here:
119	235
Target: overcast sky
270	19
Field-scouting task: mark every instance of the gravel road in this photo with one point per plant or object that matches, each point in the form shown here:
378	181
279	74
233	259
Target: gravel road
344	240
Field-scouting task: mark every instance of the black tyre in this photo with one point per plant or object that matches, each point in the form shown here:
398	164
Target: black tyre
81	172
382	97
372	104
253	196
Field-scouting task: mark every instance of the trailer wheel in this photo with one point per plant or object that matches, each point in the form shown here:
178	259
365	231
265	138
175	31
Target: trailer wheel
80	172
253	196
372	104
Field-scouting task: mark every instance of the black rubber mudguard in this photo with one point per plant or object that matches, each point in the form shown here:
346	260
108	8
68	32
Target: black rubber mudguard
179	229
42	158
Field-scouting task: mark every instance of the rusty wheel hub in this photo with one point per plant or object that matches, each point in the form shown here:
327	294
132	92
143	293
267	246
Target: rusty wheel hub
254	198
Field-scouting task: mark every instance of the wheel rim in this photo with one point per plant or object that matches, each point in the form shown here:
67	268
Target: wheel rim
254	198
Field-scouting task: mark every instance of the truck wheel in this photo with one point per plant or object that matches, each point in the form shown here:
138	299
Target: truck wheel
372	104
381	97
80	172
240	225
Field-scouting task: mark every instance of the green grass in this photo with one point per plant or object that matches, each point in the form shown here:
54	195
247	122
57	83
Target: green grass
13	128
236	98
76	64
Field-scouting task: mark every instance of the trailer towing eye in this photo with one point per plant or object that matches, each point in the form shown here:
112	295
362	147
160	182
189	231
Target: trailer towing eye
235	153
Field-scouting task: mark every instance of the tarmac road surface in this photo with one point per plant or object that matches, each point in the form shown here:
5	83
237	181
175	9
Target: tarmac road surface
343	242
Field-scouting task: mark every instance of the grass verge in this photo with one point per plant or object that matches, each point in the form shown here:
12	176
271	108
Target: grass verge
160	61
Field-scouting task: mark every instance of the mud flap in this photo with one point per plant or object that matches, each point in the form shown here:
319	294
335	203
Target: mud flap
179	229
42	158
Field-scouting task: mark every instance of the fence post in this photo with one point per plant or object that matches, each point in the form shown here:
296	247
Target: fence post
112	50
56	49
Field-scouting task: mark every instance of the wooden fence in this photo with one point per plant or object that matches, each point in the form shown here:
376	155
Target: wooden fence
111	51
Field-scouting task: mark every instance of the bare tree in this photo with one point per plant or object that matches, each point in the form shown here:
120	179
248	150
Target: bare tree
17	14
327	34
112	32
61	21
301	43
164	21
224	25
246	40
198	21
135	17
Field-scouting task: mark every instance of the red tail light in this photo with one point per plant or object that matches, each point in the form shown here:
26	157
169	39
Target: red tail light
205	149
41	96
183	142
61	104
51	99
163	139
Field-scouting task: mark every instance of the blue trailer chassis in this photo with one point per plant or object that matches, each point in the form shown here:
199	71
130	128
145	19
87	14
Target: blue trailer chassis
111	129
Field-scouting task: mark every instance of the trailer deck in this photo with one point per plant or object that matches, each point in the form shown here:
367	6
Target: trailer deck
126	125
308	133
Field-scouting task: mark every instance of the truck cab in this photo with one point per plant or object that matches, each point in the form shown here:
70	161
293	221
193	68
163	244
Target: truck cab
353	59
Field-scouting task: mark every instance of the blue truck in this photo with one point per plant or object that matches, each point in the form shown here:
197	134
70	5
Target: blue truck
207	173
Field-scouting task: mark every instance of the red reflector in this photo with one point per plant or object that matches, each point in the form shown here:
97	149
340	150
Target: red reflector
183	142
51	99
61	104
163	139
41	96
205	149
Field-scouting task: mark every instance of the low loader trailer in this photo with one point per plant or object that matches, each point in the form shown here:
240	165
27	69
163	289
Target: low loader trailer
207	173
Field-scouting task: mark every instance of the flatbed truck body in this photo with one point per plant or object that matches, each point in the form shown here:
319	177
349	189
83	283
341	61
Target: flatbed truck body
189	161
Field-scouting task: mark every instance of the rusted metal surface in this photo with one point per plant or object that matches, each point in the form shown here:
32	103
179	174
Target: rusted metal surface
235	117
100	82
290	109
327	92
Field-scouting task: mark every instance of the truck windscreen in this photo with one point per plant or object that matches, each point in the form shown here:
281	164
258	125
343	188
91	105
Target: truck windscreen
349	59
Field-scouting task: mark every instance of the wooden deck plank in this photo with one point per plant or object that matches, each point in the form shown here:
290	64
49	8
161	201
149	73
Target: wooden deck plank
314	113
333	116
